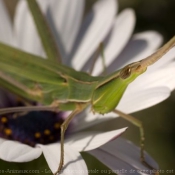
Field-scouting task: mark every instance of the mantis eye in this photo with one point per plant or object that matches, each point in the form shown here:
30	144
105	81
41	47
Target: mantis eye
125	72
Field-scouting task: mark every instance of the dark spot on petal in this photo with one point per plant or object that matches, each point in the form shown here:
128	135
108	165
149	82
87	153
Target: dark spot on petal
7	131
4	119
47	132
37	135
32	128
57	125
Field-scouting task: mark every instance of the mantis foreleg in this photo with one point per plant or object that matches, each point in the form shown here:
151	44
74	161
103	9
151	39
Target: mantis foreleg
63	129
137	123
99	51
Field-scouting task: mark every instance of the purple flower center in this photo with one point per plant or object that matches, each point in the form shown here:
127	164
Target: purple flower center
32	128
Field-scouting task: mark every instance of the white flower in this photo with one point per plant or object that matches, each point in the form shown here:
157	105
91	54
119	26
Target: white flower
77	42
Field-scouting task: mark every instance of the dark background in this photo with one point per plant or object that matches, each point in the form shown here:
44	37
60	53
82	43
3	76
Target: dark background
159	121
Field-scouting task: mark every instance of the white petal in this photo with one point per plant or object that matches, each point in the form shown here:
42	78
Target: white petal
100	21
6	26
26	35
122	154
90	140
73	160
139	47
130	102
135	101
67	16
13	151
115	164
121	32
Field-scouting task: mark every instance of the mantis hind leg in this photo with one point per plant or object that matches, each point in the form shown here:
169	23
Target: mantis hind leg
139	124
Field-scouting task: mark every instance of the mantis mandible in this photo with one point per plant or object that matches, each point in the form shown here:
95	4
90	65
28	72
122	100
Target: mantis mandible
65	89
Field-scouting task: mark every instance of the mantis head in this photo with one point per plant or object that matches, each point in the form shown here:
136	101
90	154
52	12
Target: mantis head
109	92
130	69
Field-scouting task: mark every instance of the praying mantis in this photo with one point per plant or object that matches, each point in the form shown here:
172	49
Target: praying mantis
58	87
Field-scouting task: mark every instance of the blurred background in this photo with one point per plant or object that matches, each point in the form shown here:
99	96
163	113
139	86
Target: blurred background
159	120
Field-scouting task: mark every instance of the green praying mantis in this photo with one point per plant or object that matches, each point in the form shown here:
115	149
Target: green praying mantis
58	87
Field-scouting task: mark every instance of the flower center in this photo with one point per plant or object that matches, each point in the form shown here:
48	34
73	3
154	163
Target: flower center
32	128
